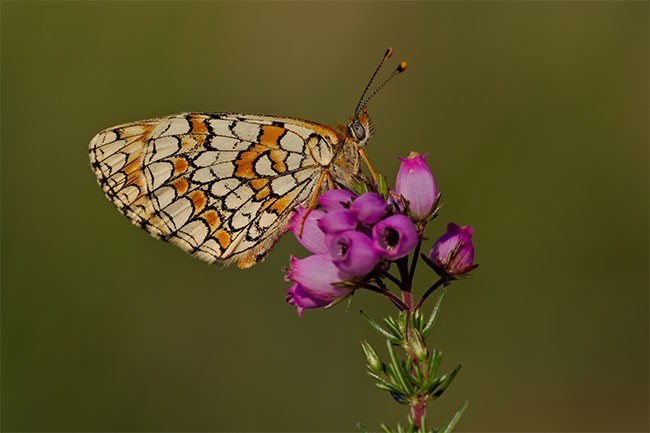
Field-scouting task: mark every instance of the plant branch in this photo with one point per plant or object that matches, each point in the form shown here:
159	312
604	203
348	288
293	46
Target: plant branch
403	267
430	290
414	263
388	275
394	299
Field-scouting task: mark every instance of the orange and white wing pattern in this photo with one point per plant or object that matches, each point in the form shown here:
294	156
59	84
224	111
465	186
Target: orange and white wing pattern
221	186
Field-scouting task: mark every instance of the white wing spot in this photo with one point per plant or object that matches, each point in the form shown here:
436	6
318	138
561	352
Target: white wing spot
171	126
246	131
283	184
162	148
164	196
212	157
292	143
113	163
224	186
228	143
245	214
194	233
157	174
263	166
238	197
267	219
178	213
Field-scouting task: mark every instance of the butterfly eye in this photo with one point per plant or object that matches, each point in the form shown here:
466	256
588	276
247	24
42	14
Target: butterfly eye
358	130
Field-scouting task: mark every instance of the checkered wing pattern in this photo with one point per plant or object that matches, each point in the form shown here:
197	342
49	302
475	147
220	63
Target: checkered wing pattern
221	186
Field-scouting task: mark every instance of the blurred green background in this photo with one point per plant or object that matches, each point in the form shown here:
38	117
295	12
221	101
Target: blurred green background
535	118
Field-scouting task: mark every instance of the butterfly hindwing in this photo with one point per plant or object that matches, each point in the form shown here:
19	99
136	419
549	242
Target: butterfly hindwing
221	186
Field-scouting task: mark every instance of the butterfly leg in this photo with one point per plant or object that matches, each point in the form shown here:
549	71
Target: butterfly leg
330	181
373	173
314	198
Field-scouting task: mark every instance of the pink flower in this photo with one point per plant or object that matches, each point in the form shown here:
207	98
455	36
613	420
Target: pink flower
368	208
314	278
415	183
302	299
337	221
453	252
312	237
394	237
352	252
336	199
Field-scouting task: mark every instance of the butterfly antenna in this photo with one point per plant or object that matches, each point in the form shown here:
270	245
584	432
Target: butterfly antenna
400	68
360	105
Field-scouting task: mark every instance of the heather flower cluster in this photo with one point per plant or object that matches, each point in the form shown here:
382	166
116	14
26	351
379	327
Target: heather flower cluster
368	239
353	238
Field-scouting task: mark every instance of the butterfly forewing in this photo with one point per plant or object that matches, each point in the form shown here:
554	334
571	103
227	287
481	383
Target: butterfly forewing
221	186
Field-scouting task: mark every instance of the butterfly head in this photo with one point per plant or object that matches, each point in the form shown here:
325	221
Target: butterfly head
360	128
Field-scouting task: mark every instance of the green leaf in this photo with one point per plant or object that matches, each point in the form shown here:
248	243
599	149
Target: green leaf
377	327
383	383
434	315
434	362
431	386
396	369
360	187
447	381
416	375
393	326
449	425
382	187
362	428
345	298
385	428
416	319
402	322
423	426
388	388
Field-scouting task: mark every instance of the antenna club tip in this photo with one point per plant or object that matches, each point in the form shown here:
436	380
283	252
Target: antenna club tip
389	52
402	66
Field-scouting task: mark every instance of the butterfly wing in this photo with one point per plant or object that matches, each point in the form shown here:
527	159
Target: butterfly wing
221	186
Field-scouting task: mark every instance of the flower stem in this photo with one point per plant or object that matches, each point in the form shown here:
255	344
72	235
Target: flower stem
418	411
394	299
391	277
403	268
430	290
414	263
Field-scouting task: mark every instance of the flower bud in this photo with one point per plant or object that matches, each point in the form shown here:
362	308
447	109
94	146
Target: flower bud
368	208
336	199
312	237
418	346
415	183
453	252
395	236
373	360
352	252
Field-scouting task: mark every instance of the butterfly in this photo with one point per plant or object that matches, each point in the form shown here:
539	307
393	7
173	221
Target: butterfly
222	186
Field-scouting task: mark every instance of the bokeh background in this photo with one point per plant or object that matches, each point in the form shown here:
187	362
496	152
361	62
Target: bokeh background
535	118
